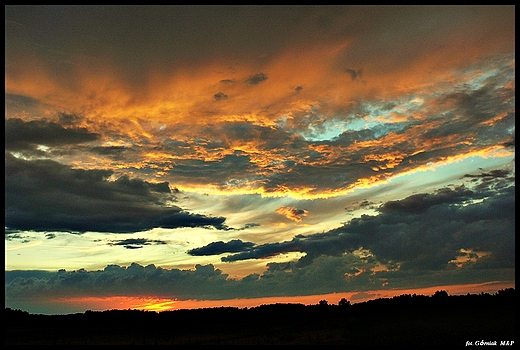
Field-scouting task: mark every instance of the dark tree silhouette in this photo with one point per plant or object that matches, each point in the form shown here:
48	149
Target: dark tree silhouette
344	302
440	294
414	320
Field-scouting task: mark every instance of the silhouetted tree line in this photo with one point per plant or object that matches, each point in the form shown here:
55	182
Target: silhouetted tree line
455	318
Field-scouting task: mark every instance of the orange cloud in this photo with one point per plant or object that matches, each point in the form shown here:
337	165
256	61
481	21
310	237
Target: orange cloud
292	213
165	304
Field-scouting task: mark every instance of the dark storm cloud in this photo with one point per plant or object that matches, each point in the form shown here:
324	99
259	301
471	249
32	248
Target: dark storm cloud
246	250
447	224
256	79
449	220
266	251
140	187
27	135
43	195
419	203
326	274
23	274
132	280
216	248
136	243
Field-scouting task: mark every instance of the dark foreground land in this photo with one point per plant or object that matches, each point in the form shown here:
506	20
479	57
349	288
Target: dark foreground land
406	320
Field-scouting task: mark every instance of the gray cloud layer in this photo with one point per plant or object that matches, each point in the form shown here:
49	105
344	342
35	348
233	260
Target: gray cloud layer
43	195
454	235
23	135
405	231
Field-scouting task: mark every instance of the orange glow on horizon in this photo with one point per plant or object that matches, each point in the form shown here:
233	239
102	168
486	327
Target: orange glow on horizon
167	304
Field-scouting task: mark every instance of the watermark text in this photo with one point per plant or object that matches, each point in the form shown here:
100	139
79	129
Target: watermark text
490	343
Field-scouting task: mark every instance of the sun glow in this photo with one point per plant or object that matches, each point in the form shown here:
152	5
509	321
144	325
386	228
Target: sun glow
122	303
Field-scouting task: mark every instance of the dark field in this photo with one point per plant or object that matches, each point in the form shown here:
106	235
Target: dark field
406	320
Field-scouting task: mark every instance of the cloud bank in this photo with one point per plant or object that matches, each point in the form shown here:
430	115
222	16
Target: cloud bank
76	200
454	235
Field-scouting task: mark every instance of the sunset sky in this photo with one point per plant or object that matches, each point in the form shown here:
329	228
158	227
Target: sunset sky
162	155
